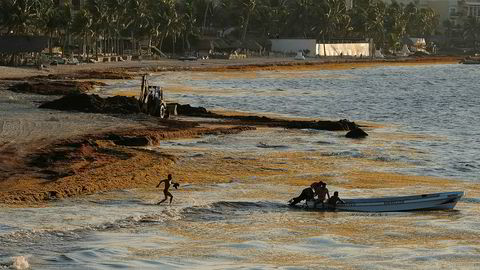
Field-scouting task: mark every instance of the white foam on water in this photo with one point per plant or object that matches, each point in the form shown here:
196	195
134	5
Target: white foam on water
20	262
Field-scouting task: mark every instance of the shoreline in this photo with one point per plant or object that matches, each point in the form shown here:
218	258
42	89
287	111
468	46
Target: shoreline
135	159
88	163
104	70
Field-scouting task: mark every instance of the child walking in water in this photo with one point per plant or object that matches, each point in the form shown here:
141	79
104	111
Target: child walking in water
168	182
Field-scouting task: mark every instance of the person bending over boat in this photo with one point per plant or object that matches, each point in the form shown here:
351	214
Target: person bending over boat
321	191
168	182
334	200
307	194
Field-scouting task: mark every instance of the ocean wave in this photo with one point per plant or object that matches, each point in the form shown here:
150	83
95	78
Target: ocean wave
35	235
264	145
470	200
18	262
354	154
243	204
324	142
385	158
212	211
224	209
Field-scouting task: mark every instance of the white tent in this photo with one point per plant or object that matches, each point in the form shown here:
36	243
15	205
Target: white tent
405	51
378	54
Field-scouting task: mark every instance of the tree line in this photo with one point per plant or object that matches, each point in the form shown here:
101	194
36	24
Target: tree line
172	25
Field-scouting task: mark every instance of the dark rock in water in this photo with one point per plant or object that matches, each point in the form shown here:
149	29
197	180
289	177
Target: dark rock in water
94	104
356	133
347	125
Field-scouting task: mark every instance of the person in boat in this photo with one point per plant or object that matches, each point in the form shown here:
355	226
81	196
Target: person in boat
307	194
334	200
168	182
321	191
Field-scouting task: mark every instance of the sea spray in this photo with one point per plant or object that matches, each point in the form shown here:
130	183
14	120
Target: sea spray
20	262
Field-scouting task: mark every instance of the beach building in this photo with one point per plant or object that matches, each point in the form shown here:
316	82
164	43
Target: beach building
355	49
453	10
310	47
465	9
293	46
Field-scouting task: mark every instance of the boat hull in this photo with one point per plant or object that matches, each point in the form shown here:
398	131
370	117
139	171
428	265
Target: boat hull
434	201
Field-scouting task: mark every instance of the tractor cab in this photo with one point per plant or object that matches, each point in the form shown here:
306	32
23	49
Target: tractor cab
151	100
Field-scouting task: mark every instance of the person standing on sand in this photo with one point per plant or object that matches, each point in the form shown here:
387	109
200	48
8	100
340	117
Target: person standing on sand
168	182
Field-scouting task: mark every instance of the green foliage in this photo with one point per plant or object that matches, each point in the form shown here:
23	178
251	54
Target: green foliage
471	31
161	20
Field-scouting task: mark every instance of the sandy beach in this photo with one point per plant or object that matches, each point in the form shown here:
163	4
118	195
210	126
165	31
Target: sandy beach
47	156
139	67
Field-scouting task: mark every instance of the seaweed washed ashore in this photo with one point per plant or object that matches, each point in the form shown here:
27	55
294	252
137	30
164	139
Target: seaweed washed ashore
60	169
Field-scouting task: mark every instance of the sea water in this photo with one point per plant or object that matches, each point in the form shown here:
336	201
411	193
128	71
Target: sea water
244	223
441	101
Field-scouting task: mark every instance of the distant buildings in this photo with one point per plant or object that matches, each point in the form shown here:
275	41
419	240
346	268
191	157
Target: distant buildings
464	9
453	10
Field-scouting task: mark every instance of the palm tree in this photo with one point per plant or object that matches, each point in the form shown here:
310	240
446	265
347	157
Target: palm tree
395	24
303	19
55	20
244	10
201	10
270	17
335	21
136	21
376	22
187	11
82	27
19	16
429	21
420	22
359	17
448	26
471	31
98	9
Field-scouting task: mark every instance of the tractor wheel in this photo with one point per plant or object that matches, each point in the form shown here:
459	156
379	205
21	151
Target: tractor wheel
163	112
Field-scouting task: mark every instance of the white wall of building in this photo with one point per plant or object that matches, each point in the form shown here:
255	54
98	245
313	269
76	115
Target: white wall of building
346	49
294	45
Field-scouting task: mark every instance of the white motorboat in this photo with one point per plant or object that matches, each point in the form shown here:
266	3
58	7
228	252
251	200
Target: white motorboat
434	201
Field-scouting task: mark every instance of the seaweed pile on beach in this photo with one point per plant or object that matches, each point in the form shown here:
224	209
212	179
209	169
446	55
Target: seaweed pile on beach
65	168
128	105
50	168
46	87
94	104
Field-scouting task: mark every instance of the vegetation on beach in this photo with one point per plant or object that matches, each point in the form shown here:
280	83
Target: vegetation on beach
178	25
